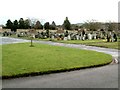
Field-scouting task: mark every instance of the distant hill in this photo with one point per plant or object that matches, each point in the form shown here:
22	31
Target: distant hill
79	24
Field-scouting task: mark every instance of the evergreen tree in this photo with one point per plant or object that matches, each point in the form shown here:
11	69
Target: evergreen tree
9	24
26	24
21	23
38	25
66	24
53	26
15	25
46	26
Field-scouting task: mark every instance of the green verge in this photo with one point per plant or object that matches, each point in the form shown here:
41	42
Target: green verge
22	60
98	43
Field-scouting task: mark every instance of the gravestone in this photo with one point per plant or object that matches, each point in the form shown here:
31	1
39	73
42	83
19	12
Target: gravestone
115	37
94	35
101	35
89	36
53	37
65	38
32	33
80	37
112	38
69	37
77	37
83	38
108	37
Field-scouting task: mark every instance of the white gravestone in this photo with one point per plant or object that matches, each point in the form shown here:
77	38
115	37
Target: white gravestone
89	36
69	38
52	37
95	36
77	37
65	38
83	38
112	39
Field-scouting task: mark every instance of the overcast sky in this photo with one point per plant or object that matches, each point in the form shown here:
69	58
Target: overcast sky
77	11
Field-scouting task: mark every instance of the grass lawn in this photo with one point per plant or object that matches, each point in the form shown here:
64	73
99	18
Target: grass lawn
98	43
20	59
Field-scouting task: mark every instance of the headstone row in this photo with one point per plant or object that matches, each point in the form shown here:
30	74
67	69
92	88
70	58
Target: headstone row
110	36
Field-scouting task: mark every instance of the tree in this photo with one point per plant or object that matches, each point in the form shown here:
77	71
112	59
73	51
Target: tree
21	23
9	24
32	22
47	33
92	25
66	24
53	26
38	25
111	26
15	25
46	26
74	27
27	24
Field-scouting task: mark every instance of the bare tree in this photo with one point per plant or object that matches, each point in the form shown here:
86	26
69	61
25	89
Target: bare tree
92	25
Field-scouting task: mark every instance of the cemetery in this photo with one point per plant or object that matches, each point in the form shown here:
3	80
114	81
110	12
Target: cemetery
44	59
82	34
99	38
89	33
59	44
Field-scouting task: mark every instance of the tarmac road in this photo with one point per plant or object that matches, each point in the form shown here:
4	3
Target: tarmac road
100	77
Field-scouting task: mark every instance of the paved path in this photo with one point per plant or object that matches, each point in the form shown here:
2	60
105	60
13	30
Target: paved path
7	40
101	77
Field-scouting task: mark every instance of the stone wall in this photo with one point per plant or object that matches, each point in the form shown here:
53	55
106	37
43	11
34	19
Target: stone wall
3	30
37	30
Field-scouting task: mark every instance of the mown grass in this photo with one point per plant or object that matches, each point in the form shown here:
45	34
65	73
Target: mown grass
18	59
98	43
